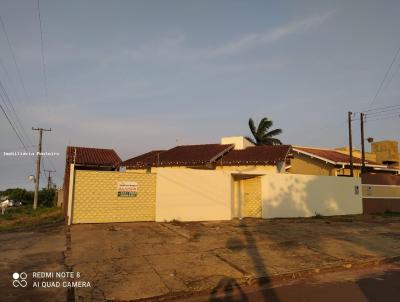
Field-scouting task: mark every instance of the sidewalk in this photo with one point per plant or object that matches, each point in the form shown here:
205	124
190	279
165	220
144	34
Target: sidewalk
133	261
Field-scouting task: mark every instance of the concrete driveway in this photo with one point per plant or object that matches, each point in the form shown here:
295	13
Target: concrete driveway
129	261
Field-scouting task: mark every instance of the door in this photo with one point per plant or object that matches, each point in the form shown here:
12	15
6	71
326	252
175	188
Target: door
252	197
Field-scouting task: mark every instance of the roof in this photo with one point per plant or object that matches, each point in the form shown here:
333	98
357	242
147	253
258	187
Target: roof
261	155
187	155
199	155
92	156
191	155
334	157
143	159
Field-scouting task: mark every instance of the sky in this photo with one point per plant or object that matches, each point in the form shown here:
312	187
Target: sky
141	75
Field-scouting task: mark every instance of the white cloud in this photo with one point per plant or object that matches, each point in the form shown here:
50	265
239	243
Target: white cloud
253	40
173	46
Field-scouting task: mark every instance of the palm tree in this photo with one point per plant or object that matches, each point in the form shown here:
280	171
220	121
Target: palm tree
261	134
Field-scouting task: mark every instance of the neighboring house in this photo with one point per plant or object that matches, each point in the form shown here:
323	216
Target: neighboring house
383	152
84	158
319	161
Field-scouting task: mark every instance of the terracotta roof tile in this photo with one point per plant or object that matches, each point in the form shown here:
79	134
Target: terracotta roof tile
92	156
191	155
187	155
142	160
332	155
261	155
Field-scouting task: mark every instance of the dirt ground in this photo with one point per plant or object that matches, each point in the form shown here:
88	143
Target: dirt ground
39	249
148	260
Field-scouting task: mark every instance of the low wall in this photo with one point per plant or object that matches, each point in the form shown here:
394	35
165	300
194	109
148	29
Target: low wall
294	195
193	195
381	193
95	197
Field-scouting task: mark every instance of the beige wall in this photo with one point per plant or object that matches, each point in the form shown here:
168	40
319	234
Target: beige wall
250	169
193	195
240	142
286	195
95	197
60	197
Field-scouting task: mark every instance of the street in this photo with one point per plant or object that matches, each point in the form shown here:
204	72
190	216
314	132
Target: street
372	284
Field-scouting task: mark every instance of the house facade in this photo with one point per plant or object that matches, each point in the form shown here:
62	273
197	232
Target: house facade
328	162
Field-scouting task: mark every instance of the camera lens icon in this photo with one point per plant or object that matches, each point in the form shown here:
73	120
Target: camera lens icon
19	279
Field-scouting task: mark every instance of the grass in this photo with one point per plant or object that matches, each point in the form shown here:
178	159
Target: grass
25	217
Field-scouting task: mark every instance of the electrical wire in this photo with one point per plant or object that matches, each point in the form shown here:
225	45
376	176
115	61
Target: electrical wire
385	77
12	126
13	56
21	127
380	108
42	47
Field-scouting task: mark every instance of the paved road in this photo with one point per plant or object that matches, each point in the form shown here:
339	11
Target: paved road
382	285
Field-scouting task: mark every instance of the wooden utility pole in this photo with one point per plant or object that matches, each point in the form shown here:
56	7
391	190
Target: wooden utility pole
350	145
38	158
362	143
49	181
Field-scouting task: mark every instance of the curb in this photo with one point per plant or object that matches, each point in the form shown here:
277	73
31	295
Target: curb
263	281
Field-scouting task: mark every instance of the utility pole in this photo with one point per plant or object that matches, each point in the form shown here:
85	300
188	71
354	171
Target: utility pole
362	143
350	145
38	158
49	181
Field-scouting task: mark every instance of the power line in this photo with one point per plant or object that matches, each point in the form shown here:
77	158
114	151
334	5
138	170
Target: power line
384	78
383	118
22	129
382	112
12	126
380	108
13	56
42	47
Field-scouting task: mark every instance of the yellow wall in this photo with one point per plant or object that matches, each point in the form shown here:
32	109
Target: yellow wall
376	191
288	195
302	164
95	197
193	195
386	151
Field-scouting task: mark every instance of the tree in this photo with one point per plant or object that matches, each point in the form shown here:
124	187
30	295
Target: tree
47	197
16	194
261	134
